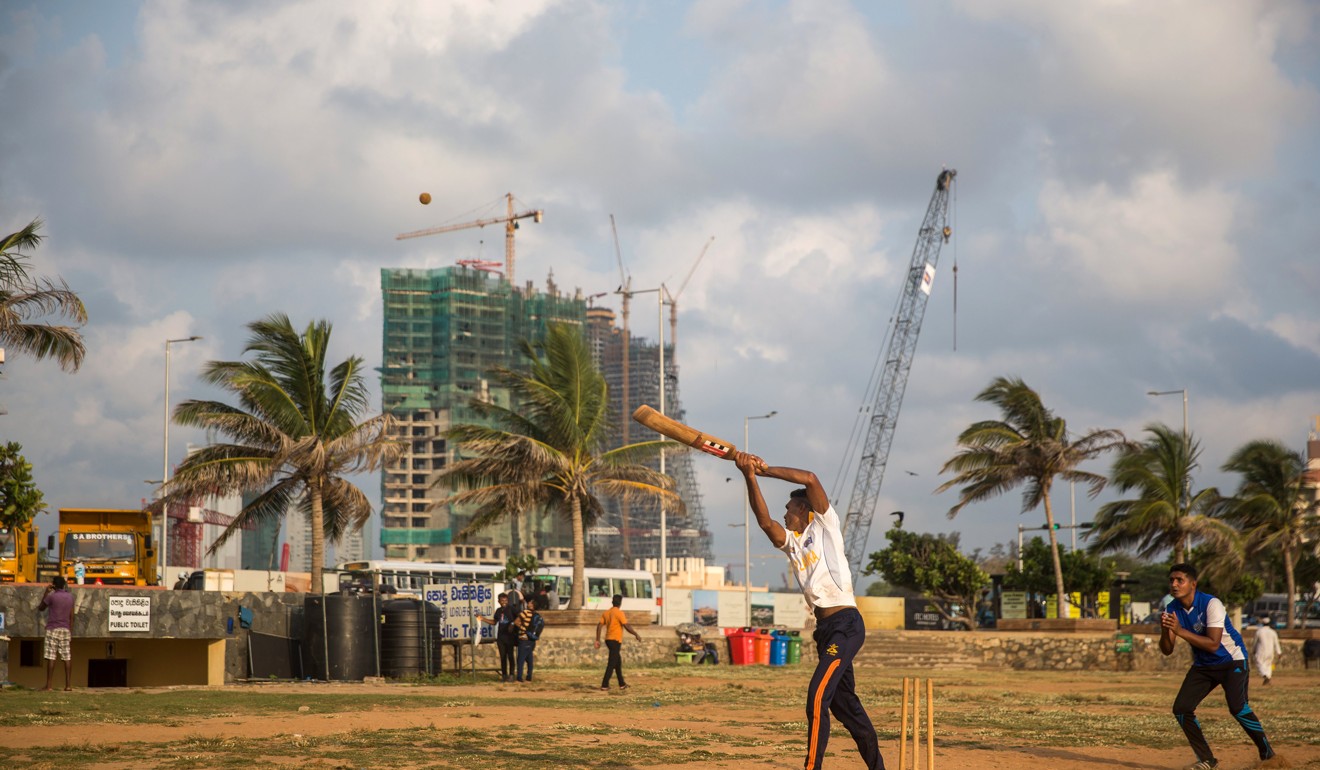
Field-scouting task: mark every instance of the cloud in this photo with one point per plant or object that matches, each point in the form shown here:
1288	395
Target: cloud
1124	85
1155	243
1134	206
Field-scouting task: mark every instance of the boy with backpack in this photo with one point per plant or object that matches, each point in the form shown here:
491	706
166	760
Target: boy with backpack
528	627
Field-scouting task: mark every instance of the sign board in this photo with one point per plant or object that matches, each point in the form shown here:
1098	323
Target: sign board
921	615
460	604
129	613
1013	605
1123	643
790	610
1072	600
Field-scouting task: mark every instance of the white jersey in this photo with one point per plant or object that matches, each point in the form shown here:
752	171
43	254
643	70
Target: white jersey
819	561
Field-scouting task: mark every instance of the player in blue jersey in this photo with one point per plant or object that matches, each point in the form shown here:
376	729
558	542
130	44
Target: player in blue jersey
1218	659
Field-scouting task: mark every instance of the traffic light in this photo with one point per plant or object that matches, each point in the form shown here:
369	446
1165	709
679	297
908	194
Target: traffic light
1056	525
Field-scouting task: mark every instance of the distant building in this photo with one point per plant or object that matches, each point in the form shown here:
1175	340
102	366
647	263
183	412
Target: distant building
261	544
633	532
445	329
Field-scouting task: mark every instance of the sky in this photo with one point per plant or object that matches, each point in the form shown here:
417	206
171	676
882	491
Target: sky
1134	209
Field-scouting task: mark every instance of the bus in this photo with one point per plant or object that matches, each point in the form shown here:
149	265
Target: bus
635	585
1276	606
407	578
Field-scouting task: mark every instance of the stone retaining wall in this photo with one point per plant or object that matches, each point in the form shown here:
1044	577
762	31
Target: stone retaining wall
1032	651
209	614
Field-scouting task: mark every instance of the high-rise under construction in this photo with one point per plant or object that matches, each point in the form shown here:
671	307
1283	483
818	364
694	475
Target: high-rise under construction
632	531
444	330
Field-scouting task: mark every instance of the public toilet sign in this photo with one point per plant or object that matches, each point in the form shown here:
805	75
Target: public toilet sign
460	604
1013	604
130	613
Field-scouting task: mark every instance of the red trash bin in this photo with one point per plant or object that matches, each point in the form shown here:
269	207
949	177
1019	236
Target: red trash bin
742	647
764	641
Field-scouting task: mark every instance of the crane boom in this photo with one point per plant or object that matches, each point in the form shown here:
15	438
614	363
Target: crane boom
901	345
510	222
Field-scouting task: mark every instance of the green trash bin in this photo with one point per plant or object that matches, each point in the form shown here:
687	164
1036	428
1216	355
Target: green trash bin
794	648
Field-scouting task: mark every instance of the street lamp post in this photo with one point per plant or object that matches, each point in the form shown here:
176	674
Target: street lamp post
165	474
1187	481
747	524
664	525
1183	391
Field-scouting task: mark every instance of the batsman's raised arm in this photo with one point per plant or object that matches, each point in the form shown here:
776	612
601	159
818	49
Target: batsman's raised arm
815	492
750	465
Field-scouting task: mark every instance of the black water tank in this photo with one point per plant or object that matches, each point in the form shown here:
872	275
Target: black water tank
409	643
339	637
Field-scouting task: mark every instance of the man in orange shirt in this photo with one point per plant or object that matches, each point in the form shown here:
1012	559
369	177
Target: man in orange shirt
615	623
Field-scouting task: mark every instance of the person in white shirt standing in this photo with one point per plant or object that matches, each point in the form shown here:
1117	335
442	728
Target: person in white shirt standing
812	538
1267	646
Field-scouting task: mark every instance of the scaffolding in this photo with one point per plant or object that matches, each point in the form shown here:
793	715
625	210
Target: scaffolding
444	330
634	532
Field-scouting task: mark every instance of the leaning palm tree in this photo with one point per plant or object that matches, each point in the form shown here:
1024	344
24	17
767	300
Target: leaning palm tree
293	439
24	300
1165	515
1029	447
545	453
1273	506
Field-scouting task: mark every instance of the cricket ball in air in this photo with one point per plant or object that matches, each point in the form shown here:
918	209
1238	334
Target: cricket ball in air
425	198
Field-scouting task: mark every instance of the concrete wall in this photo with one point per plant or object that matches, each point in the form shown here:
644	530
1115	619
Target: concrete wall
196	638
1037	651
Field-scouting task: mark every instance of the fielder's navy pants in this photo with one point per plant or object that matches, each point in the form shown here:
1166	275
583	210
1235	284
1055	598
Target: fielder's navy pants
1198	683
838	640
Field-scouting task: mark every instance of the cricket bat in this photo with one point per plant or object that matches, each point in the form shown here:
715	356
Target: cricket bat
684	434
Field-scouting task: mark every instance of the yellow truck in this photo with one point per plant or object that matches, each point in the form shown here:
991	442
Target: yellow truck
114	546
18	554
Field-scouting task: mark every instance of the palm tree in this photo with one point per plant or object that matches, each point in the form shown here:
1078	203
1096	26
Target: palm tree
544	453
293	438
1272	505
1029	447
1165	515
24	299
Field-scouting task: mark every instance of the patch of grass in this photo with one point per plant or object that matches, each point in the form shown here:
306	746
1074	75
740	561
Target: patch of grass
709	717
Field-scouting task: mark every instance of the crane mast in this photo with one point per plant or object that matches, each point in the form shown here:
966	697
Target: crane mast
901	345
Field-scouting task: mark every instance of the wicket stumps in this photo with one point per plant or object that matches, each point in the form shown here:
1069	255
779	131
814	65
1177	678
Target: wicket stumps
912	696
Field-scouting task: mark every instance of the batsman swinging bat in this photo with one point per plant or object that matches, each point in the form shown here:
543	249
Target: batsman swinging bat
683	433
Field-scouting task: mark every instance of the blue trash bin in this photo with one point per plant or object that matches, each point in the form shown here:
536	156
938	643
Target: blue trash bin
779	648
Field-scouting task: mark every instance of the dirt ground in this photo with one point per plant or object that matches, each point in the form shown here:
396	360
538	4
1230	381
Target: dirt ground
984	720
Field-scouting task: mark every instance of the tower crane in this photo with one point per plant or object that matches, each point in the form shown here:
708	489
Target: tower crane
901	343
673	303
510	222
625	289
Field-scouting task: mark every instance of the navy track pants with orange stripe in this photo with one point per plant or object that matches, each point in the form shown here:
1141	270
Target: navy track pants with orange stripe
838	640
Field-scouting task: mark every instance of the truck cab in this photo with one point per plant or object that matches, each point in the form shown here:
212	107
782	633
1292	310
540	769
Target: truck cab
114	546
18	554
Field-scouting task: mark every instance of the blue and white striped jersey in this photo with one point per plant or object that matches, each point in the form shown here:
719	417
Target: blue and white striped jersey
1208	612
